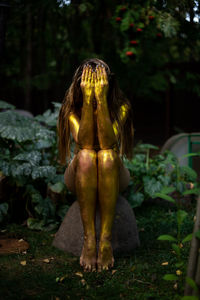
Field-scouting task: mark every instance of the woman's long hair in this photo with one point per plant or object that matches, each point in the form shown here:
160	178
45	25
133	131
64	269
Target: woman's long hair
73	101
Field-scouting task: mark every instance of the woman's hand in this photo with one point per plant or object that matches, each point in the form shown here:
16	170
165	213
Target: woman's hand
101	84
87	84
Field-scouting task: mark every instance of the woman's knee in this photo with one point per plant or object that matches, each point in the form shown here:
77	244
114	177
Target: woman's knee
108	159
86	160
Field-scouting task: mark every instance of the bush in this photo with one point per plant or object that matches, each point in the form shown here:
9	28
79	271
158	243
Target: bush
160	174
29	160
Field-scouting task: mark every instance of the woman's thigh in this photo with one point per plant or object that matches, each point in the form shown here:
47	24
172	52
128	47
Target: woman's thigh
69	176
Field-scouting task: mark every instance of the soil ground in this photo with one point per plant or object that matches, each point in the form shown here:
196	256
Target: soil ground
44	272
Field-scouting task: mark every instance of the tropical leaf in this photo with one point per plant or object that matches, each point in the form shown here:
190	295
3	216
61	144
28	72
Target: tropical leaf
188	238
165	197
6	105
16	127
176	248
181	215
62	211
135	199
43	172
167	190
33	157
188	173
43	144
152	186
170	277
23	169
192	283
5	167
35	224
147	146
45	208
167	237
195	191
58	187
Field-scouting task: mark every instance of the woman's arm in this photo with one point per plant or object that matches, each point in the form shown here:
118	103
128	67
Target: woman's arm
106	134
123	113
85	135
74	124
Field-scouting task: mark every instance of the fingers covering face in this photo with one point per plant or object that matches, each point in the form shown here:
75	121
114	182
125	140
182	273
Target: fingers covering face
92	76
101	73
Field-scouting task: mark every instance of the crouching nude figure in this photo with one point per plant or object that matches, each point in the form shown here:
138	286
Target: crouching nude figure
96	114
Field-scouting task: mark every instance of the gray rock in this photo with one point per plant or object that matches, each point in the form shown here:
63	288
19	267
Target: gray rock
125	238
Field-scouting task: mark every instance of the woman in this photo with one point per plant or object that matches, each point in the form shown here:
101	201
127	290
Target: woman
98	116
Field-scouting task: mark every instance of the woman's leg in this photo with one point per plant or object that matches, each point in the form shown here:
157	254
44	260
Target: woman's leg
108	189
86	191
70	174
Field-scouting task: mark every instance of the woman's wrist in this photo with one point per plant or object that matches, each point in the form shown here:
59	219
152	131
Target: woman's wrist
87	99
101	99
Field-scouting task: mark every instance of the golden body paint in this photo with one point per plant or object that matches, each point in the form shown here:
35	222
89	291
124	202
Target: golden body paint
97	166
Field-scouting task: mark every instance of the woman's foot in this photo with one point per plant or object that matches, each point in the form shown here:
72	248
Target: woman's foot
88	256
105	256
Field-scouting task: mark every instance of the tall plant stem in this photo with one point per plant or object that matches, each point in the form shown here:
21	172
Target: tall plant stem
193	270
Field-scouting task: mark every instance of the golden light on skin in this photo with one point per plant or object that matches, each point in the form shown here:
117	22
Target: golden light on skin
107	155
86	129
106	135
97	171
74	124
122	115
108	189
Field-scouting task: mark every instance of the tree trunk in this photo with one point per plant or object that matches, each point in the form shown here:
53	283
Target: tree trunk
28	68
3	18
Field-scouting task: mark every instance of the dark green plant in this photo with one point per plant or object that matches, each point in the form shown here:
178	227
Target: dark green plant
29	160
180	175
160	173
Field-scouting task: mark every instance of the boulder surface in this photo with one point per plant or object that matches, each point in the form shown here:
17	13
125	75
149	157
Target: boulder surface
69	236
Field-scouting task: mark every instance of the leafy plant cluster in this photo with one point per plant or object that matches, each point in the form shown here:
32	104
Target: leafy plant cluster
158	176
139	25
29	162
163	177
178	247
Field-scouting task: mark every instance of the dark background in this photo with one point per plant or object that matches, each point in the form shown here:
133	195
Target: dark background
43	42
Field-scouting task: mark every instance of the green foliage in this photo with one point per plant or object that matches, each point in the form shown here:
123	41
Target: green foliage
5	105
170	277
192	283
197	234
156	32
158	176
28	158
166	237
190	298
188	238
177	241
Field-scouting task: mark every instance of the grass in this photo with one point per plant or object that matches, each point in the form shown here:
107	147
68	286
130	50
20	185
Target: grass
136	276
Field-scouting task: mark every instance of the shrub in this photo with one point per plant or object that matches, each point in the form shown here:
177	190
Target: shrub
29	160
160	174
